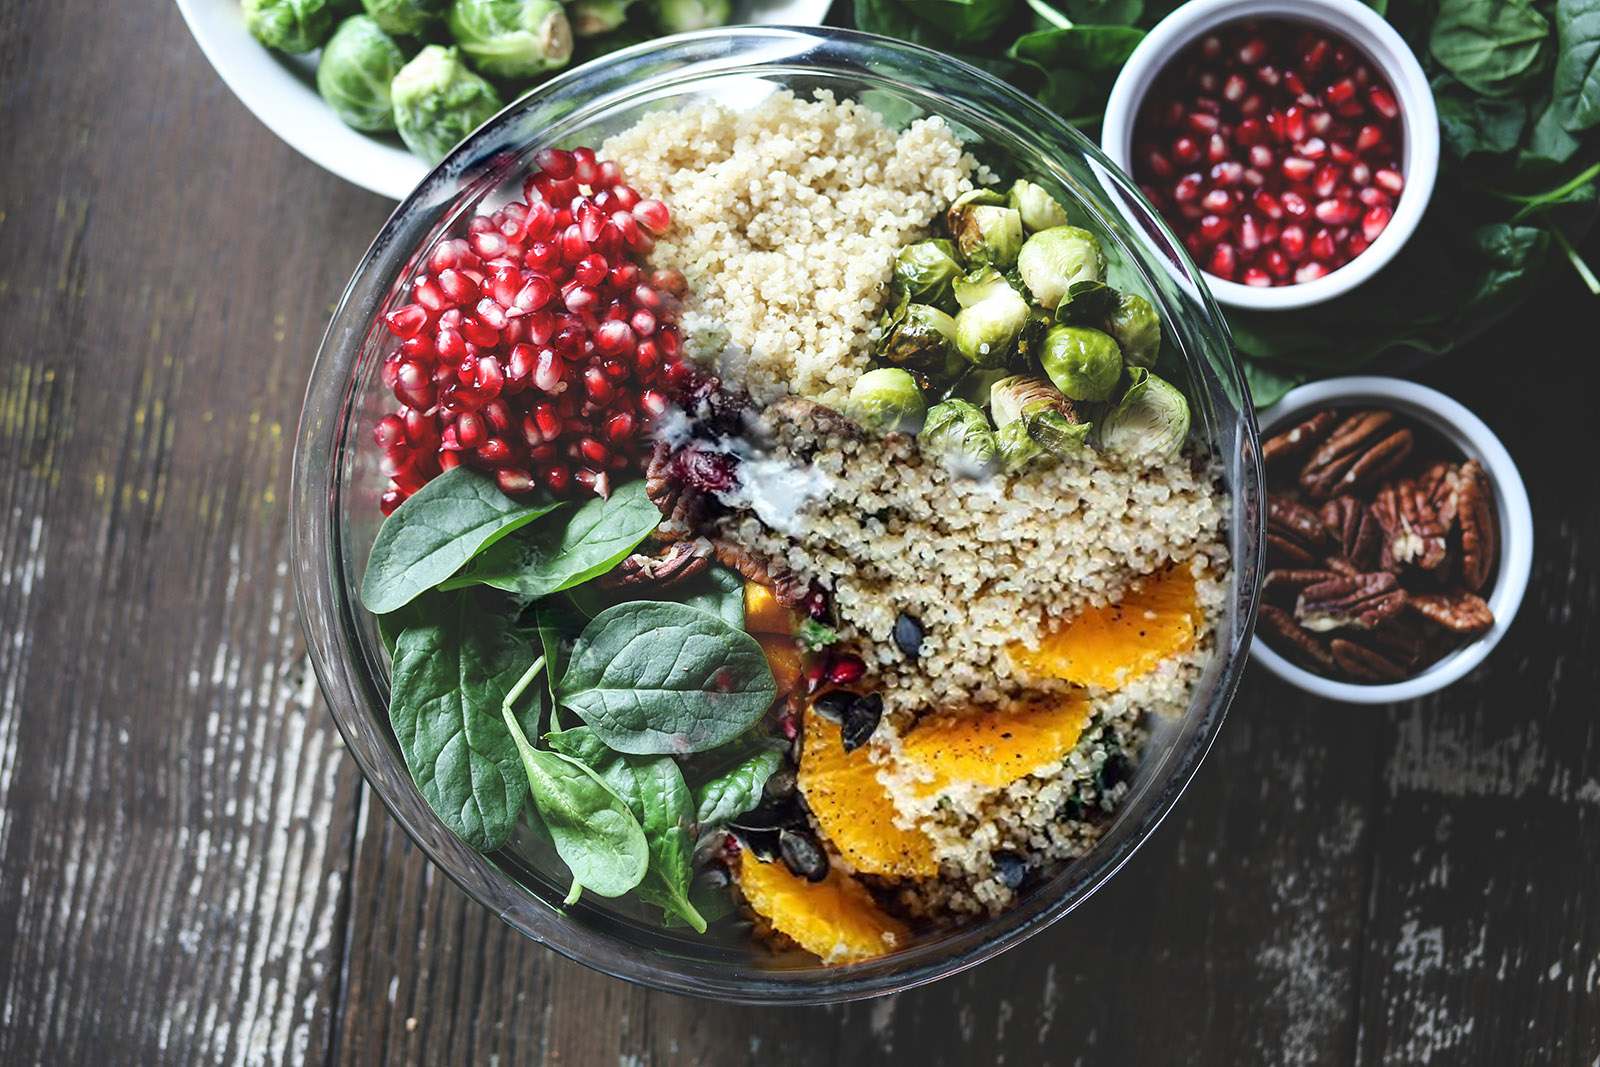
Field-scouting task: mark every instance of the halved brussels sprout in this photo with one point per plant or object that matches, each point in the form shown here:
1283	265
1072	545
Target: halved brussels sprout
405	18
1084	364
922	339
438	101
1136	327
959	433
1016	448
512	39
593	18
293	26
984	229
357	66
1150	421
680	16
887	400
1038	208
1052	260
992	317
924	273
1047	415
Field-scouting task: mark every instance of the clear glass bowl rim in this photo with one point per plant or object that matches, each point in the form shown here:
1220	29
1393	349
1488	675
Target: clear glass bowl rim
329	610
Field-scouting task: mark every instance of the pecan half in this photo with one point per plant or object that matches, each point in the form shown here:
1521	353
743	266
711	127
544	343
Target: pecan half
1282	448
1354	530
1480	533
682	560
1295	534
1418	536
683	507
1360	451
788	588
1441	483
1364	664
1284	586
1458	611
1292	641
1361	602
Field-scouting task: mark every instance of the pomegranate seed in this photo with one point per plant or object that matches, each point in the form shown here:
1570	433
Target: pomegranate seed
1372	196
1268	205
490	314
1390	181
1368	138
1356	245
1186	149
1298	170
389	432
667	338
489	243
470	430
457	288
1217	201
595	453
451	254
1276	264
1294	123
598	386
1383	102
479	333
1374	221
1254	178
391	499
610	174
413	385
1214	227
1268	75
613	338
627	227
653	215
1223	261
591	270
1253	51
624	197
1312	148
1227	173
1294	205
619	427
668	281
1310	272
579	297
1261	156
1234	88
1257	277
542	255
574	246
845	668
548	370
1326	180
1340	91
494	452
1249	233
407	321
643	322
1216	148
1316	55
653	402
1322	246
554	162
1292	242
1334	212
1203	123
585	169
514	480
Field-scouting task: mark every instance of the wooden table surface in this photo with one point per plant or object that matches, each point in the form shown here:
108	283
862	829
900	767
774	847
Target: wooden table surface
192	871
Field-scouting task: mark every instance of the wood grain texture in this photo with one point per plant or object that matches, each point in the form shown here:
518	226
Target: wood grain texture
191	872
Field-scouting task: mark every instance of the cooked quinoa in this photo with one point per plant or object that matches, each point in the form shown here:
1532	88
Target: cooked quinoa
786	220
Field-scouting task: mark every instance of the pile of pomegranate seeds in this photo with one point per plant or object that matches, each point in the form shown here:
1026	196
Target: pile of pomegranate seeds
1273	149
537	347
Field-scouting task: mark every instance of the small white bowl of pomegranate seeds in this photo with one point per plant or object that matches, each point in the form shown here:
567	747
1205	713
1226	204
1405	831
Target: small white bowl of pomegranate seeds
1291	144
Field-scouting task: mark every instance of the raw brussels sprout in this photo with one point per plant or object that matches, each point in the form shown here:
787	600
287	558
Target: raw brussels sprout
1136	327
357	66
924	272
886	400
992	317
1150	421
290	25
922	340
1084	364
1015	448
1038	208
405	18
1052	260
985	230
512	39
680	16
1039	406
959	433
438	101
591	18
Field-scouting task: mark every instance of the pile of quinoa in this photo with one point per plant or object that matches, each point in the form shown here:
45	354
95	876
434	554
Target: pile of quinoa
786	221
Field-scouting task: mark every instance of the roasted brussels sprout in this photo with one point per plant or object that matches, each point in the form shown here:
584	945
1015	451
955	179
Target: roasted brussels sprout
924	273
680	16
1087	304
1150	421
1047	414
887	400
984	229
959	433
591	18
922	340
1052	260
992	317
1015	447
1135	326
291	25
512	39
357	66
438	101
1084	364
405	18
1038	208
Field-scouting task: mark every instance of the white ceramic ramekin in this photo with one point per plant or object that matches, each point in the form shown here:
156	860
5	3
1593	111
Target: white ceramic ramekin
1464	430
1367	30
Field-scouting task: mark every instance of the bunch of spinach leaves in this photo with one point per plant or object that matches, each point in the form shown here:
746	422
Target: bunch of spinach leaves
1517	84
478	596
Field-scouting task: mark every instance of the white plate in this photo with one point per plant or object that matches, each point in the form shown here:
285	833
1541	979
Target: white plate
281	91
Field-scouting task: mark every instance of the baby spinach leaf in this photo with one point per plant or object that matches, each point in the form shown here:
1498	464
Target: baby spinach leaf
718	590
710	895
1078	63
450	676
964	19
1471	124
1492	46
438	529
738	788
557	555
654	678
654	790
1578	65
594	833
582	744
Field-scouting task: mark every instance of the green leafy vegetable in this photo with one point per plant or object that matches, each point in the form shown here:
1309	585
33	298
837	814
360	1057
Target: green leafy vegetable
1078	64
654	678
736	789
815	635
559	555
451	674
1492	46
1577	85
654	790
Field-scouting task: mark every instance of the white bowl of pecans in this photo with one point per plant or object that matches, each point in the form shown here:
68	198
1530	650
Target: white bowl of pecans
1399	540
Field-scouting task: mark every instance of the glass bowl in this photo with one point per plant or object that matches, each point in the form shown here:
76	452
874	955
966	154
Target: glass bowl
337	483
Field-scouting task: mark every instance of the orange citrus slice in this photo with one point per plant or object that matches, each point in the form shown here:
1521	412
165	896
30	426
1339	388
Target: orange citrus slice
854	810
1110	646
993	749
835	919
